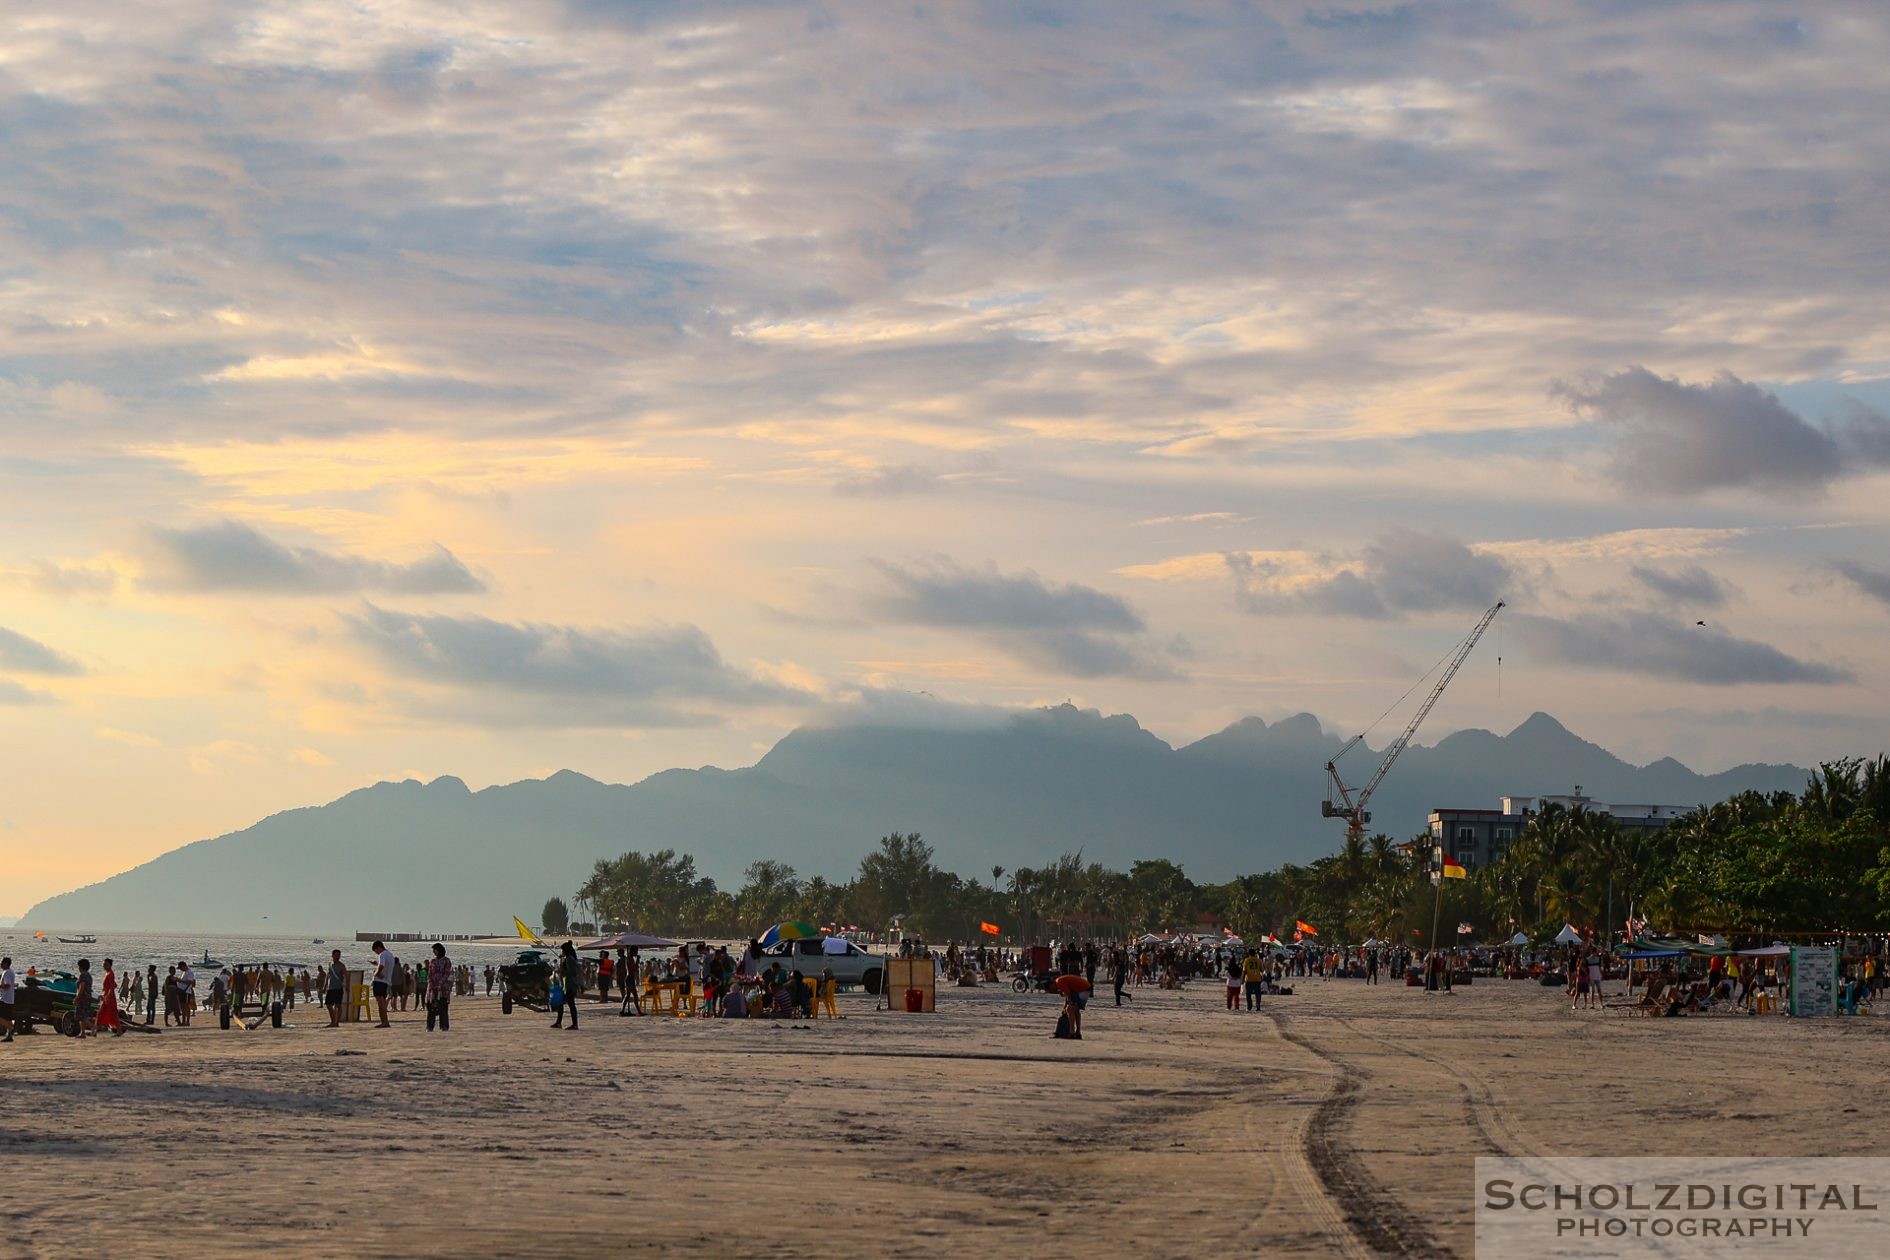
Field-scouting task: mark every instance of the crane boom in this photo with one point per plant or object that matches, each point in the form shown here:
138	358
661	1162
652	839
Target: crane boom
1353	800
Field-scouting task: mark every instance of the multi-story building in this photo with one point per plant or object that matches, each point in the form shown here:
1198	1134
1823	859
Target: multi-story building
1477	836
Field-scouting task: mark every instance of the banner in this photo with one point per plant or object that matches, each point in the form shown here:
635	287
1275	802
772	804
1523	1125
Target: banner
1814	980
1305	927
989	929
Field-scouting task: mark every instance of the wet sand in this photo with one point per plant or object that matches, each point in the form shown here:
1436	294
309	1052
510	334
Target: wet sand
1339	1121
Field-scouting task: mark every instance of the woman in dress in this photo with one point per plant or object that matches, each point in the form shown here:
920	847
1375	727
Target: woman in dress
83	1003
108	1001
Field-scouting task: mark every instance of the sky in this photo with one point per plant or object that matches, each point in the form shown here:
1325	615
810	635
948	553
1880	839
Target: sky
404	389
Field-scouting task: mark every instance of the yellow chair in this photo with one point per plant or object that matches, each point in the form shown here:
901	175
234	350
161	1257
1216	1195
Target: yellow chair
683	998
358	1004
825	1004
656	997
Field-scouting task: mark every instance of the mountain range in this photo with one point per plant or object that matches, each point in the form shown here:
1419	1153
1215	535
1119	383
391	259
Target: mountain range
1016	790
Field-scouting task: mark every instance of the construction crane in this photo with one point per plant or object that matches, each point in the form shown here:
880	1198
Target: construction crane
1351	801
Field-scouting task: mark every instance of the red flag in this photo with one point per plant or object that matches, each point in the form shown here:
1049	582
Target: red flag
989	929
1298	937
1305	927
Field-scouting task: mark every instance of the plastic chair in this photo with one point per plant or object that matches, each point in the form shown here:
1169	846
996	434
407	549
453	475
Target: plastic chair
358	1008
683	1000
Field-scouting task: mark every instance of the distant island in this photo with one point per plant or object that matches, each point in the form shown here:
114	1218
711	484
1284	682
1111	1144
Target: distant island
1016	790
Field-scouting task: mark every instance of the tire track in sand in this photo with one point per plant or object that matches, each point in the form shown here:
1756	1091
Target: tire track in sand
1372	1218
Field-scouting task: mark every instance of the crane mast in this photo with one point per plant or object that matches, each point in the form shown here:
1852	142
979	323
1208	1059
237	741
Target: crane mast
1351	801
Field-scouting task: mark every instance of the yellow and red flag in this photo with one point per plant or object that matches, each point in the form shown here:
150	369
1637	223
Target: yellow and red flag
1453	869
989	929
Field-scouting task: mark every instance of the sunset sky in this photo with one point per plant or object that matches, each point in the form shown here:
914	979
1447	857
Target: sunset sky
401	389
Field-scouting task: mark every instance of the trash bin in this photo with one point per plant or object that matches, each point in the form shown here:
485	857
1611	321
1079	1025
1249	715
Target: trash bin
915	1001
223	1017
275	1015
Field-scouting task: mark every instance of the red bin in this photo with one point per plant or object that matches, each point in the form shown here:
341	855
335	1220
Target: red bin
915	1001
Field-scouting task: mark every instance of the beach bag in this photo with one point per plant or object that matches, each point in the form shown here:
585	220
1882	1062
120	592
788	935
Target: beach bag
557	995
1063	1032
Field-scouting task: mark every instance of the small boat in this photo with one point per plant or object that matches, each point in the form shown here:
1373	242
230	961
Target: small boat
85	938
318	941
209	961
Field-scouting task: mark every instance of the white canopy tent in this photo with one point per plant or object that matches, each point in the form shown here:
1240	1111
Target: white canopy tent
1521	938
1568	935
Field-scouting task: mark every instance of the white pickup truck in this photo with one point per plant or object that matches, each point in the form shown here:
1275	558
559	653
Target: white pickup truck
854	966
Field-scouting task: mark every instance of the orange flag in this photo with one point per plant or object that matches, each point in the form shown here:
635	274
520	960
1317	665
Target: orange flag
989	929
1306	927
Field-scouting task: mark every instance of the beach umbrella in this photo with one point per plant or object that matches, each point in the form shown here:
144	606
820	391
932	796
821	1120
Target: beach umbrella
791	930
630	940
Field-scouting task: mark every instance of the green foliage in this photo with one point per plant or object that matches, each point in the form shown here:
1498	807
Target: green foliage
1757	863
555	917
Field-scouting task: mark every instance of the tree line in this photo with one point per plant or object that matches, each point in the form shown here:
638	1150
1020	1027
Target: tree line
1811	862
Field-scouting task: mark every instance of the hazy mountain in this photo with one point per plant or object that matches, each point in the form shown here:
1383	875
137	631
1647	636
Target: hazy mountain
436	856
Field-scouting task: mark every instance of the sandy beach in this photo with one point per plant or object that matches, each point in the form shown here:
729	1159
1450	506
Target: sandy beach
1341	1120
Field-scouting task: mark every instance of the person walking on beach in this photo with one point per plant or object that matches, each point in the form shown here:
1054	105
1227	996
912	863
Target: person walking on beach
384	964
336	988
568	981
1235	977
151	995
439	986
1254	972
82	1002
108	1001
1371	966
7	986
1119	973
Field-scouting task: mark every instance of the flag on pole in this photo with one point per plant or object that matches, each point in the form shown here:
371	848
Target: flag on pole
989	929
1464	929
1298	937
1305	927
524	932
1453	869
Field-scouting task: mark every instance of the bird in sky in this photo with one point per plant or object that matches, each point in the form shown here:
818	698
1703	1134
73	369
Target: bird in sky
1699	623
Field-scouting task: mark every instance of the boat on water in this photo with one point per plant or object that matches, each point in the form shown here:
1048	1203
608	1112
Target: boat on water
318	941
84	938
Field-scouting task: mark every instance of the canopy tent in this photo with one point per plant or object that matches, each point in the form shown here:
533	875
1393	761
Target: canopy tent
1521	938
1373	943
1232	940
630	940
1151	938
1768	951
1653	953
1568	935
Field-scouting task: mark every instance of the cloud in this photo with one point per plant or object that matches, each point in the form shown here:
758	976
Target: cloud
232	556
1067	627
1402	571
1691	585
1667	648
1873	581
30	656
1684	438
48	578
890	481
12	693
561	675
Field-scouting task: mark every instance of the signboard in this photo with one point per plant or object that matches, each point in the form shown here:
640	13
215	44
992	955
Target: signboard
1814	980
